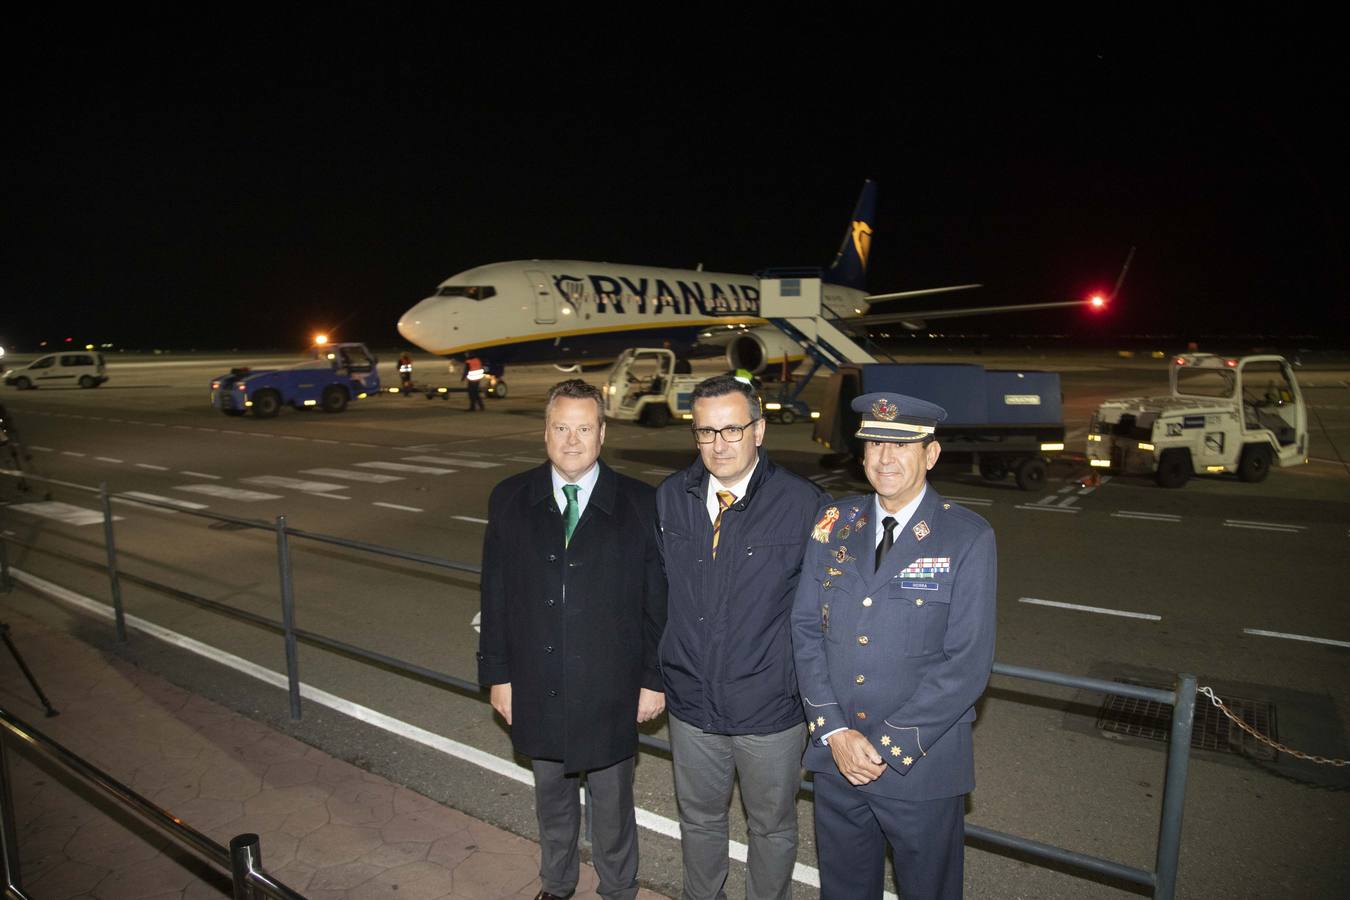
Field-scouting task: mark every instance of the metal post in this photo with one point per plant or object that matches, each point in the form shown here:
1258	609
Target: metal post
288	617
9	839
119	616
5	584
1174	788
245	857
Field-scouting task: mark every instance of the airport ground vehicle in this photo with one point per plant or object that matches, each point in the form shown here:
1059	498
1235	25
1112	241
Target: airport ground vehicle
1003	421
1225	414
644	387
81	367
336	375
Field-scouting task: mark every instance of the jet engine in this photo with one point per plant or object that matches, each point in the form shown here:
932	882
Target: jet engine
762	348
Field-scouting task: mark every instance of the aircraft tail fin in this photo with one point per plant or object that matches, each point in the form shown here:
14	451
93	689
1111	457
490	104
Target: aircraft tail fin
850	263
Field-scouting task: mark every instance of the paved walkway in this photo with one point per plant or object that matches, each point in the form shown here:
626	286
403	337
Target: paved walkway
328	829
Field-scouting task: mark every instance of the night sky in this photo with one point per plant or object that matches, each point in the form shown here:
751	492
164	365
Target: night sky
223	178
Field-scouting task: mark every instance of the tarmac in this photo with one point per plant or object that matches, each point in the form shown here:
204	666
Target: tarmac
327	828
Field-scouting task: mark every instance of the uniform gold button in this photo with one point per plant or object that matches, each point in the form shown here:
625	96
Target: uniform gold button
862	715
863	640
867	601
918	602
860	679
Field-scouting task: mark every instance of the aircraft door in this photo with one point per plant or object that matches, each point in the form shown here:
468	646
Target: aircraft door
545	300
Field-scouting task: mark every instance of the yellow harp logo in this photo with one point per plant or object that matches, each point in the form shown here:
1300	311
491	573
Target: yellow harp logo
862	240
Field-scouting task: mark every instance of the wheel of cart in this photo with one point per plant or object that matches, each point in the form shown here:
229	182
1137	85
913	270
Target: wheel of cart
1030	473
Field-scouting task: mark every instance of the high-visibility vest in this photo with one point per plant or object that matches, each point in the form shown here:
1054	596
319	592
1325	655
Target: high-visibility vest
475	369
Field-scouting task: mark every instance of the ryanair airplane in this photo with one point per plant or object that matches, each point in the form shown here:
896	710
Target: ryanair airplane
567	312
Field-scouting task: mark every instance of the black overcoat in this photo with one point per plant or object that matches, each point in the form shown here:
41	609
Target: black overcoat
573	629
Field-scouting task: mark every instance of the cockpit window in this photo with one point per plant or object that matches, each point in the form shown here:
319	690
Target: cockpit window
472	291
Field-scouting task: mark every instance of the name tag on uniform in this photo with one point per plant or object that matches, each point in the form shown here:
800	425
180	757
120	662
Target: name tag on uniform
919	585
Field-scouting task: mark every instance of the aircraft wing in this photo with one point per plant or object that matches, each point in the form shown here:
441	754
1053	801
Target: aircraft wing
914	318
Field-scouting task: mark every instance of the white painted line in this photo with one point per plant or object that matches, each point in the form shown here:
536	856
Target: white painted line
969	501
155	424
473	519
1296	637
199	474
322	441
183	427
525	459
446	460
658	471
227	493
1092	609
355	444
107	459
63	512
1150	517
1245	523
397	506
367	477
295	484
152	467
289	437
328	496
255	434
660	824
1058	509
1068	501
181	504
70	453
404	467
204	428
1047	500
41	449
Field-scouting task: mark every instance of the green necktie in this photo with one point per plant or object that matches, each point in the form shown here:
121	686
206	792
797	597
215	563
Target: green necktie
573	512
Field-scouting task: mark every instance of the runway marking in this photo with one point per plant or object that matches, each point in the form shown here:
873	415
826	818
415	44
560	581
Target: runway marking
329	496
404	467
367	477
63	512
141	495
41	449
295	484
471	519
654	822
192	474
254	434
525	459
154	424
1296	637
107	459
1092	609
152	467
204	428
70	453
1039	508
355	444
1151	517
396	506
970	501
658	471
466	463
227	493
1264	526
291	437
322	441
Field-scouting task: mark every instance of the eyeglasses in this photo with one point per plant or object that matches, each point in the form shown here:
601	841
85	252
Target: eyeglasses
731	433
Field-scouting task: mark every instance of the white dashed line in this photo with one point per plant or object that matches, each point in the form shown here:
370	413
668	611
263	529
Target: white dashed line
295	484
396	506
107	459
658	471
322	441
291	437
1092	609
183	427
355	444
525	459
404	467
1147	516
63	512
328	496
152	467
227	493
41	449
1296	637
471	519
969	501
366	477
449	461
181	504
1264	526
192	474
70	453
1057	509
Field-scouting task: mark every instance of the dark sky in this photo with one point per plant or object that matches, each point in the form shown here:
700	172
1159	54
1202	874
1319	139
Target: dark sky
224	177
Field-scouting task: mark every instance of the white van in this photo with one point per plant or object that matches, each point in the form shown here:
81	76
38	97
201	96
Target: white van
85	369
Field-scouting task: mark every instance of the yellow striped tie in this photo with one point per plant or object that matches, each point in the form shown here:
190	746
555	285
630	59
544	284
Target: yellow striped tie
724	501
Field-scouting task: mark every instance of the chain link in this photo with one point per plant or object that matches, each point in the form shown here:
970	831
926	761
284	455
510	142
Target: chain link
1297	754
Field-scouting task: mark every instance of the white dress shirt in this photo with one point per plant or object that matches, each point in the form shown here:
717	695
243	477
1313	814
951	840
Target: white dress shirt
585	482
738	490
904	515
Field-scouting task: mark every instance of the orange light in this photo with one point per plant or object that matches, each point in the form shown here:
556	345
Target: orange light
1180	361
320	339
1230	363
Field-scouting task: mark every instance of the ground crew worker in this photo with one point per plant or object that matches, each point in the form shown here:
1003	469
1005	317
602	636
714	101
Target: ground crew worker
405	371
473	375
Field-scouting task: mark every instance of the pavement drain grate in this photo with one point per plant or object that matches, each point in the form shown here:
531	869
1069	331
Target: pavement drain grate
1212	731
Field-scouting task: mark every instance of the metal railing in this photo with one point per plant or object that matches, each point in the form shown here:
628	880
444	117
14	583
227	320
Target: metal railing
243	858
1161	879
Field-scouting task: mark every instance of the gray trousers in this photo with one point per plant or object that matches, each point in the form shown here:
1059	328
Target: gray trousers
614	850
769	766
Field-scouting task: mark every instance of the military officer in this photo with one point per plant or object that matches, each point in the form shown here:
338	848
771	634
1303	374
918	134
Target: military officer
893	634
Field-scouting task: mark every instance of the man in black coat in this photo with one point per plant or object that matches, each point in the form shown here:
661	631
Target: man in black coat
573	606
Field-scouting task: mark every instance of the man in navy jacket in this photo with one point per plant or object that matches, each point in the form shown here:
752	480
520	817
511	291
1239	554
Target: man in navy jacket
893	628
734	526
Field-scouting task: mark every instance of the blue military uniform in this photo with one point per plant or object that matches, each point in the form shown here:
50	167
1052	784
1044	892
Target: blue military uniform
899	653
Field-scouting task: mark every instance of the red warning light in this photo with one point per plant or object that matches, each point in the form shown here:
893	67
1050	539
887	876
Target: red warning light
1097	301
1230	363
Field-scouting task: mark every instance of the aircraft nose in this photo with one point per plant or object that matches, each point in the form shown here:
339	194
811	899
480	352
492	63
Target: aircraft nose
419	324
